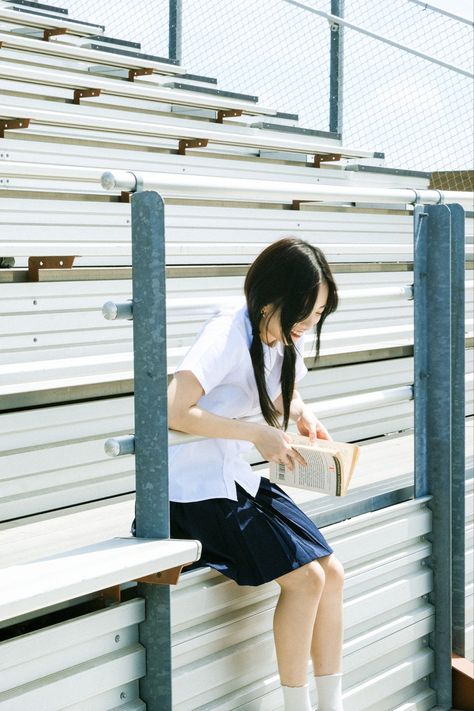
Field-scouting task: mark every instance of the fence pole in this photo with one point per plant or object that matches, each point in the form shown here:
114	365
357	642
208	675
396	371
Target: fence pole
175	30
458	424
433	420
151	433
336	69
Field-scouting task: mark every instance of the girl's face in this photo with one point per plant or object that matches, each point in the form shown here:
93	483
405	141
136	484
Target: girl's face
270	327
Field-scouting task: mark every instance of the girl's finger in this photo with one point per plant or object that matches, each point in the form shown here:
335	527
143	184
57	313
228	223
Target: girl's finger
299	457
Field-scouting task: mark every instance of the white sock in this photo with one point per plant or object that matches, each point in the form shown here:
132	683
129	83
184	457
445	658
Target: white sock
296	698
329	692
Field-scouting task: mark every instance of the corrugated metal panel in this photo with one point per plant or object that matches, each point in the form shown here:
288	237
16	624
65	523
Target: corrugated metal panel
197	234
469	601
91	662
63	462
73	155
223	651
59	326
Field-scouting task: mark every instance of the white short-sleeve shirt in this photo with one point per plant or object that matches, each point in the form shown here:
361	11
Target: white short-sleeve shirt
220	360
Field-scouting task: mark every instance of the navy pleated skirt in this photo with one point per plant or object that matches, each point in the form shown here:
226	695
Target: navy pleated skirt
252	540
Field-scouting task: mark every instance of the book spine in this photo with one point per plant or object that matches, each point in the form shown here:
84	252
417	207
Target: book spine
338	476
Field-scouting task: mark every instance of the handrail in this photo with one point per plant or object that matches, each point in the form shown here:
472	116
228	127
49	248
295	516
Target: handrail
125	444
113	311
205	187
336	20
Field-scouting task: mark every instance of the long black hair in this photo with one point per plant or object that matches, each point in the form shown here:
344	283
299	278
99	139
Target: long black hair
288	275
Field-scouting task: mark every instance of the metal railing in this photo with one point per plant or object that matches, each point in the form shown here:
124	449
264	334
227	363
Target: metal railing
438	389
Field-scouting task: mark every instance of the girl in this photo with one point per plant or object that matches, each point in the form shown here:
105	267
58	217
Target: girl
244	362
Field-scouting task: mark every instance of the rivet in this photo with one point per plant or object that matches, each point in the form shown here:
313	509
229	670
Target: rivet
117	638
34	302
123	695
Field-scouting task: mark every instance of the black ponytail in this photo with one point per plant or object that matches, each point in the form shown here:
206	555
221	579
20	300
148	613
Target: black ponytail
288	275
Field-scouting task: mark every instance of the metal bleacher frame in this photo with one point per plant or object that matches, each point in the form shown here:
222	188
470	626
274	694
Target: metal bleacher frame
438	388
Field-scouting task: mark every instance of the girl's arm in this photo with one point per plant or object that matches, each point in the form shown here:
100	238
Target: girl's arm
184	415
306	421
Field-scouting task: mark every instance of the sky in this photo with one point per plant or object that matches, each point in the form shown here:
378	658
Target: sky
414	111
464	8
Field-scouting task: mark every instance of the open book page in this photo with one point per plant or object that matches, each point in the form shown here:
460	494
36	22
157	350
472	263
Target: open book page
329	468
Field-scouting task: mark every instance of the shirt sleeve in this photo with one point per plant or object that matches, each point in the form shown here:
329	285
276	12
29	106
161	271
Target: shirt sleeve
213	354
300	368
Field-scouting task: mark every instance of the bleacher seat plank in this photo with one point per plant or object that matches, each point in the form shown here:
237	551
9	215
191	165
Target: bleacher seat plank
64	462
90	117
15	151
46	581
44	81
201	234
11	18
37	48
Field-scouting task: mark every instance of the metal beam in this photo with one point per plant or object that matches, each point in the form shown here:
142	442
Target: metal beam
433	420
175	30
151	433
458	286
336	70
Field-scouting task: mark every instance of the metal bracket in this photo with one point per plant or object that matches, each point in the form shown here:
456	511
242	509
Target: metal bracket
109	596
186	143
325	157
227	113
36	264
51	33
441	196
9	124
83	93
132	73
126	195
164	577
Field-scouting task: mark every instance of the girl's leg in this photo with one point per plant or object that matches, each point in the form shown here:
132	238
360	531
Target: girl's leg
294	620
328	631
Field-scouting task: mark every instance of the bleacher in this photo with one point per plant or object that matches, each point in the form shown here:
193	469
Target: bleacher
76	103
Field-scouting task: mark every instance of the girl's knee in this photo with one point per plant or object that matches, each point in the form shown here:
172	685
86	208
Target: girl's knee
307	578
334	570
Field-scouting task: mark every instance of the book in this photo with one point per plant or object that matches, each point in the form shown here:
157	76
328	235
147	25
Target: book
329	469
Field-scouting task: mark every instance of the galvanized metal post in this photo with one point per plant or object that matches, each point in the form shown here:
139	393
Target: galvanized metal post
433	419
175	30
151	433
336	69
458	424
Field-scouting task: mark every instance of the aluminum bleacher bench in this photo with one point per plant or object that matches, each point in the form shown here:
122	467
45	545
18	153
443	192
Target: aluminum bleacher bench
37	52
24	19
115	124
28	587
21	78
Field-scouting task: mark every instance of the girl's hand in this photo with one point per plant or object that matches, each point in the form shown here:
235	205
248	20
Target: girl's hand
309	426
274	446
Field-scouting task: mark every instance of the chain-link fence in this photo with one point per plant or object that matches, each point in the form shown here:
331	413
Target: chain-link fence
416	111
